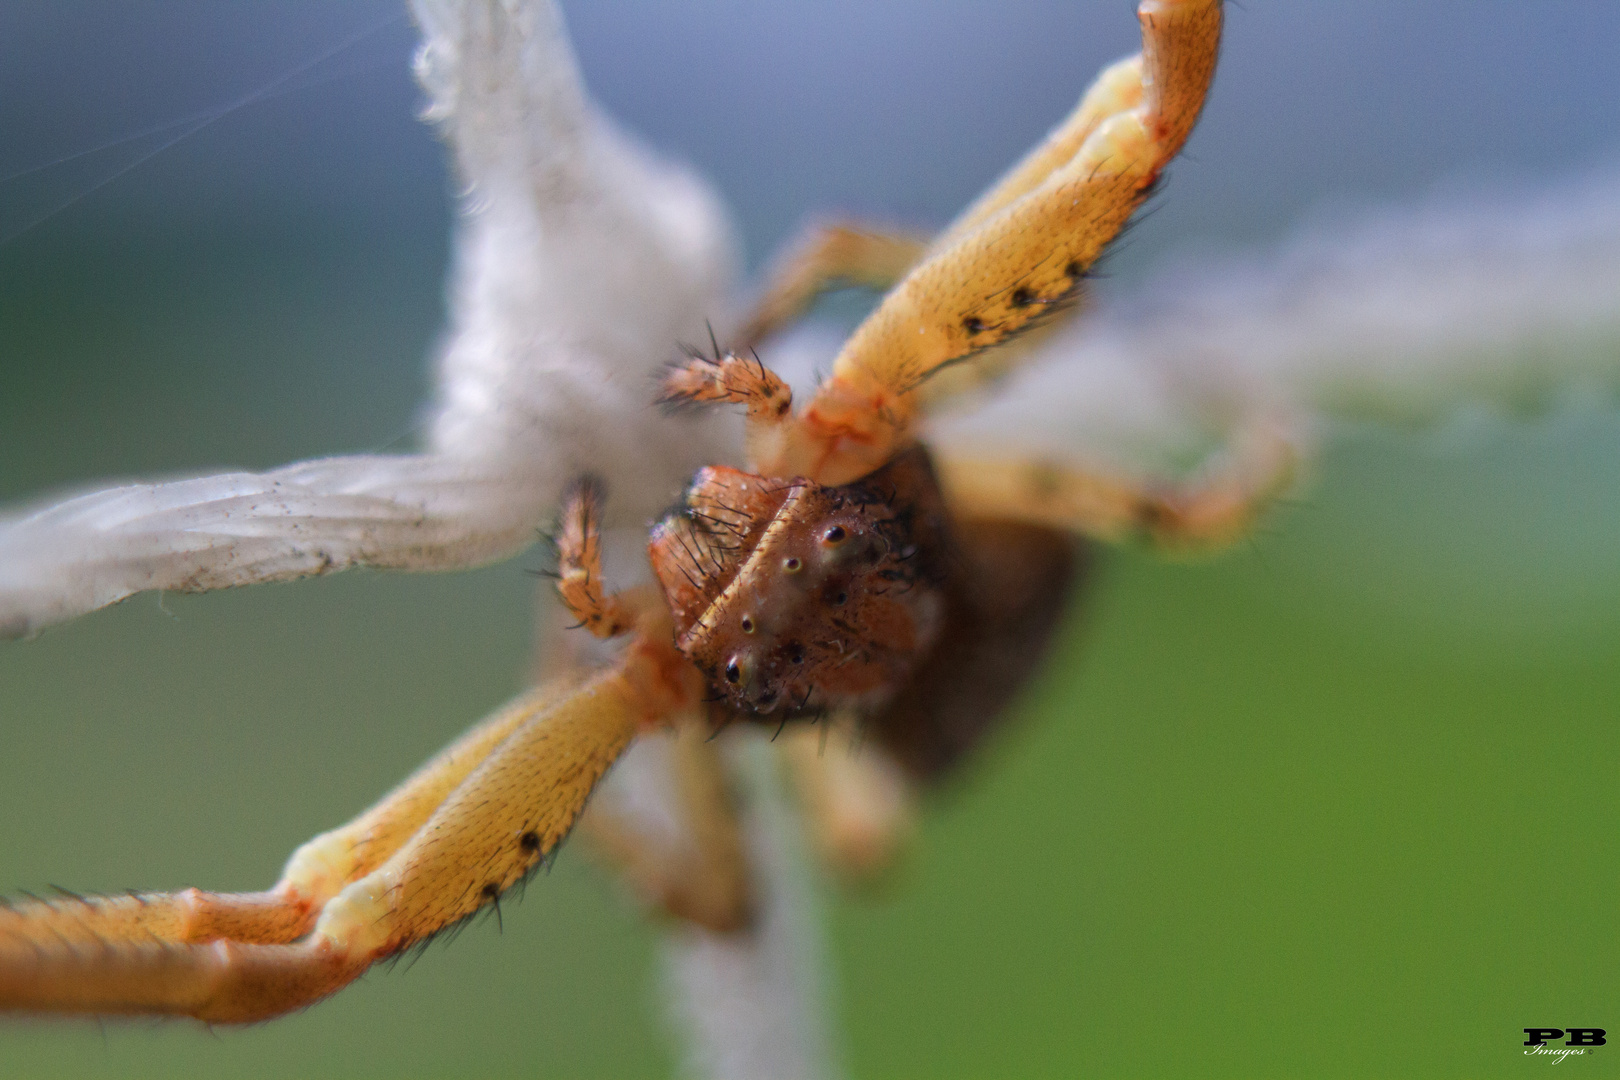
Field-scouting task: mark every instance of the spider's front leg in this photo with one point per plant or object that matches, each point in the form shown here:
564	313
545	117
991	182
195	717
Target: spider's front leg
448	842
1016	258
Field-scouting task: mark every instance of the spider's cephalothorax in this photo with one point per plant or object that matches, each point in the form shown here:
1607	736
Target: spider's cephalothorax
793	596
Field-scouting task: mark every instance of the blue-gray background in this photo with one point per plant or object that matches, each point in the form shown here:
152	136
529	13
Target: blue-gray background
1339	804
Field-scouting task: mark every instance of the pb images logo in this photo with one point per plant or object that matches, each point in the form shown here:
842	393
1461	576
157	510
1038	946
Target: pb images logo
1578	1040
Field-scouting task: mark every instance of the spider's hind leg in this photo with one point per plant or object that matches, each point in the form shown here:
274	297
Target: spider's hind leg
1214	506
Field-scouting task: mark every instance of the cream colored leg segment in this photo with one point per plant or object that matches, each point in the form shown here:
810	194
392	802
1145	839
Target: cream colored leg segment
504	816
513	810
997	277
1216	506
319	869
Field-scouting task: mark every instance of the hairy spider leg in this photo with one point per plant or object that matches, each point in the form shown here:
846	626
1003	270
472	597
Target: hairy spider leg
1008	272
469	825
317	871
699	870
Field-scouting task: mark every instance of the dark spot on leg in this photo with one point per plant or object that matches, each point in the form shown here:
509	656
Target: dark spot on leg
972	324
529	841
1022	297
491	890
1073	272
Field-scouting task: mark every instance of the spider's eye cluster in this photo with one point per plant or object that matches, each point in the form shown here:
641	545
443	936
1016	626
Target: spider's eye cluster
795	597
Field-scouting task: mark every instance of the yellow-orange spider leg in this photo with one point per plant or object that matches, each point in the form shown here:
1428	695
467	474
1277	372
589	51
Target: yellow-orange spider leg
1214	507
1011	269
860	807
700	874
826	256
1117	89
314	874
446	843
509	813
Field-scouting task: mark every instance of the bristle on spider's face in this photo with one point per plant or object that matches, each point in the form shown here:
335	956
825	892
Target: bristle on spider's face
793	597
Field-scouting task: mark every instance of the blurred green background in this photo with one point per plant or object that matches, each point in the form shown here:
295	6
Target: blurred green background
1338	804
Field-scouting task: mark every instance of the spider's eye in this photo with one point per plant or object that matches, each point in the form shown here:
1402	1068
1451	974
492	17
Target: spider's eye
747	624
733	672
834	535
792	566
838	598
795	653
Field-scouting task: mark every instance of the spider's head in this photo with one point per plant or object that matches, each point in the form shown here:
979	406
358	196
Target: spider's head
793	597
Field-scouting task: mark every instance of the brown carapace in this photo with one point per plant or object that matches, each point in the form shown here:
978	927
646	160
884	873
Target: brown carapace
795	599
792	596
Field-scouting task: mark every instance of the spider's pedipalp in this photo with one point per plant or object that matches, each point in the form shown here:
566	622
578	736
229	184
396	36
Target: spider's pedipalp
732	379
579	566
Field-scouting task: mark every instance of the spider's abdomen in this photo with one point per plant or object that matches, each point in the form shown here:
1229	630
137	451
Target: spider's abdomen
791	596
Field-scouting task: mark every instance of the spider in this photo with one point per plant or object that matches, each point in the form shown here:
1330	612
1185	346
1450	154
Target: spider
1053	975
847	575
